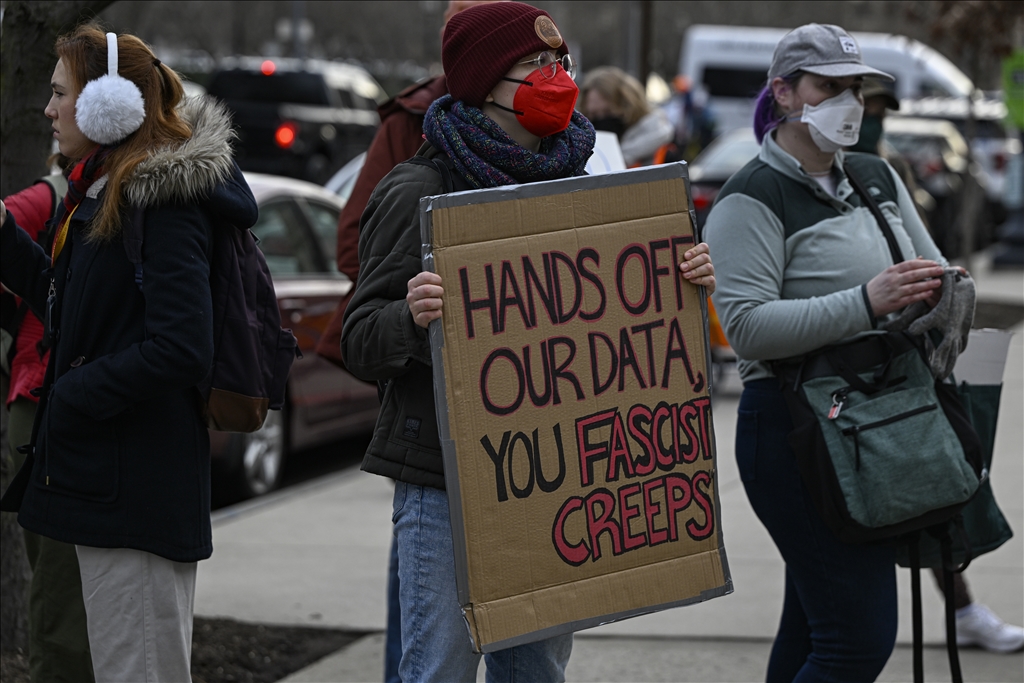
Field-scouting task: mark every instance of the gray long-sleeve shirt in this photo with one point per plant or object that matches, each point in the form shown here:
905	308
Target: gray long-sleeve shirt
792	262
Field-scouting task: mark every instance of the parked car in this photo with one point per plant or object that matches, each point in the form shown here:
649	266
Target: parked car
982	123
725	155
342	182
297	230
728	66
940	159
299	118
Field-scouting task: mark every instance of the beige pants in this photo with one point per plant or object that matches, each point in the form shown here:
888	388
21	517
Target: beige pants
139	612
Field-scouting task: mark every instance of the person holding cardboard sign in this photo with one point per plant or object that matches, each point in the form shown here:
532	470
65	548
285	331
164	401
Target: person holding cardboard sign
509	119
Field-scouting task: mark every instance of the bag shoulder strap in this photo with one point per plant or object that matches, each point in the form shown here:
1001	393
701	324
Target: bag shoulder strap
132	236
442	163
947	589
437	165
890	238
916	618
58	186
940	531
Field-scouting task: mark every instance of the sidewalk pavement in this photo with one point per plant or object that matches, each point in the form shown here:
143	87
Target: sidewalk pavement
316	555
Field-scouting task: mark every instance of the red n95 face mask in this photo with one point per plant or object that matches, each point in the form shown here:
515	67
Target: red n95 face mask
544	106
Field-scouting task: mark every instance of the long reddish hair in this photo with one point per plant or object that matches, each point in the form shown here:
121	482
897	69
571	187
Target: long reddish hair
84	52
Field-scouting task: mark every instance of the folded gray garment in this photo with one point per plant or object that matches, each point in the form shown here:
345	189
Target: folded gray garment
952	317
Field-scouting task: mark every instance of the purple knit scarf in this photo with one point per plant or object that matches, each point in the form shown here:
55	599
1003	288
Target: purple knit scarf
486	156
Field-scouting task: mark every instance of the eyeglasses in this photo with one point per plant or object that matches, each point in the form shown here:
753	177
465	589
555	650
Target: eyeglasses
547	61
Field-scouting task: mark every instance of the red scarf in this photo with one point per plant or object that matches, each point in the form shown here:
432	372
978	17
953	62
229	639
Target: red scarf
84	174
81	178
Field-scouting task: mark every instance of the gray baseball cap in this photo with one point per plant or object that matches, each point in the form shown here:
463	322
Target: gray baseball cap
822	49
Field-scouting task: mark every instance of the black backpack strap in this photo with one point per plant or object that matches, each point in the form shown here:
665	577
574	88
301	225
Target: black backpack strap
965	541
132	234
446	174
880	377
915	590
451	180
883	224
58	187
946	544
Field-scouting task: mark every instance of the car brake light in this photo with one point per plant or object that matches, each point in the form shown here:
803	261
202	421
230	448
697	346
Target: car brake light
929	167
703	197
999	161
268	68
285	134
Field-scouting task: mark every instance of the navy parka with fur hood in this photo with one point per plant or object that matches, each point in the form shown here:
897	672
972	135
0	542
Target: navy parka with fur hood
121	454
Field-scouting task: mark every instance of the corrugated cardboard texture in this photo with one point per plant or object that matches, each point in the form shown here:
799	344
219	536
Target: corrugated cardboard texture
572	382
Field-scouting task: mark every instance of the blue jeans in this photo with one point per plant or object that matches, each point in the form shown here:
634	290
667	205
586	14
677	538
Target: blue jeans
839	616
435	637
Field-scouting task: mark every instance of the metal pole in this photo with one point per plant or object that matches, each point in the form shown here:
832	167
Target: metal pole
298	14
646	21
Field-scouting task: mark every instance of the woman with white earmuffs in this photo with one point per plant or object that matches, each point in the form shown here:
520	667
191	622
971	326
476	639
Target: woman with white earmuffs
119	461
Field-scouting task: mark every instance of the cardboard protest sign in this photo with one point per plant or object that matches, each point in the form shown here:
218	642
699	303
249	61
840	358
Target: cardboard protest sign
571	373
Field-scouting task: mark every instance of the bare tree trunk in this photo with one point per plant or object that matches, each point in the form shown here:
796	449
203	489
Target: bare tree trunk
26	63
14	571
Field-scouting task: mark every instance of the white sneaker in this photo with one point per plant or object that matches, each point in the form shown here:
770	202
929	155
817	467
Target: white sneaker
977	625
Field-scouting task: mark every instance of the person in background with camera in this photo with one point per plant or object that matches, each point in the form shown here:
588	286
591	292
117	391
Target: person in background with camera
976	624
509	119
119	461
801	263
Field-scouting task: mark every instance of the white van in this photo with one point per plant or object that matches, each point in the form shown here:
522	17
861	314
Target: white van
729	65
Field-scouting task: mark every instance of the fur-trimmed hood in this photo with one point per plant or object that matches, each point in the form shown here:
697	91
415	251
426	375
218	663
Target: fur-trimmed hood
189	171
201	170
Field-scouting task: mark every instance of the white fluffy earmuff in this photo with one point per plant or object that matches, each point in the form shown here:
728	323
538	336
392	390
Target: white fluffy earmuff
110	108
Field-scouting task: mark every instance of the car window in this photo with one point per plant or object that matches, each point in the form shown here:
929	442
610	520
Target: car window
285	240
733	82
363	102
345	96
727	157
324	219
932	89
296	87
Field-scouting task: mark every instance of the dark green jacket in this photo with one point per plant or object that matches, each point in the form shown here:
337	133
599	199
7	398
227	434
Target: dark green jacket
380	342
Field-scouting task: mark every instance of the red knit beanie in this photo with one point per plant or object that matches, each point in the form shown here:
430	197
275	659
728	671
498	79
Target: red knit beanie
482	43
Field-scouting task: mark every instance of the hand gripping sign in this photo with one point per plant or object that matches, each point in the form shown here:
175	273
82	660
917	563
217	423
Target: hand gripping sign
571	372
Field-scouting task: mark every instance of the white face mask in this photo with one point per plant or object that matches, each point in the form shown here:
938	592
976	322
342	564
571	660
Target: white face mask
835	122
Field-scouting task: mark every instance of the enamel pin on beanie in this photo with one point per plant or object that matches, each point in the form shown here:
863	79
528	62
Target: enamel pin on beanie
110	108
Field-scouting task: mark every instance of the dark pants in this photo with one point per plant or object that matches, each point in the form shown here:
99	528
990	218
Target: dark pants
393	634
839	617
58	638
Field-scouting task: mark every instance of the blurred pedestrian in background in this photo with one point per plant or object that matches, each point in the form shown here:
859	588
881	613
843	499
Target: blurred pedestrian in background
58	640
615	102
880	97
801	264
509	119
976	624
692	121
120	457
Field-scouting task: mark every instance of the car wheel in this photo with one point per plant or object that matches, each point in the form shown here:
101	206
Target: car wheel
258	457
